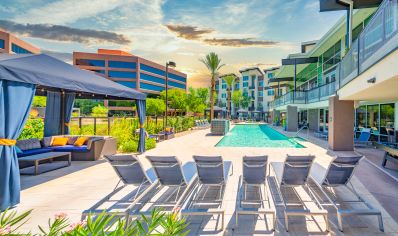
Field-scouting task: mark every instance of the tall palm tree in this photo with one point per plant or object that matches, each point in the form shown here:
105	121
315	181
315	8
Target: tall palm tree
213	64
230	81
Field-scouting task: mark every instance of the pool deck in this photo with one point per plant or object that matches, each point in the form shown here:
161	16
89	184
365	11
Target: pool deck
76	188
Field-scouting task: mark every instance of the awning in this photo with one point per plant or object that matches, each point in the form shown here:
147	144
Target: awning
216	108
49	73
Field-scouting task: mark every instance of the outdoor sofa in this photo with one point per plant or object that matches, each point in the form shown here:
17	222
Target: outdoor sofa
93	149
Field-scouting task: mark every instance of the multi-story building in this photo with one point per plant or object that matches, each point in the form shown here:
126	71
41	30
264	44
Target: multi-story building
13	45
131	71
333	87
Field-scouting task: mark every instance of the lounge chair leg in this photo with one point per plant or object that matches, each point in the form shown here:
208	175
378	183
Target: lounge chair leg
222	221
327	223
237	220
340	221
287	222
381	226
275	222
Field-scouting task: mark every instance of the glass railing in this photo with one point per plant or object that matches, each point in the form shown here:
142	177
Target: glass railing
317	94
377	40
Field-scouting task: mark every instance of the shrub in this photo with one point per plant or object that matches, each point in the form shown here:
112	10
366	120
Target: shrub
99	111
34	128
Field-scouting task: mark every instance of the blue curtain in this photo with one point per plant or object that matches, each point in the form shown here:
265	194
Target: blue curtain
141	107
69	102
15	101
53	114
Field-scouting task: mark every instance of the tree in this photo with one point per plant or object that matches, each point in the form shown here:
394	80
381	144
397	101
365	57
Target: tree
177	99
230	81
155	106
245	102
213	64
39	101
237	98
196	99
99	111
203	94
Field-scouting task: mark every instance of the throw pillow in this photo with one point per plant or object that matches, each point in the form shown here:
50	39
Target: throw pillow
80	141
59	141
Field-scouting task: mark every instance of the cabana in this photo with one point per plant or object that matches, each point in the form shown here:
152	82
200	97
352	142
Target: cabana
23	76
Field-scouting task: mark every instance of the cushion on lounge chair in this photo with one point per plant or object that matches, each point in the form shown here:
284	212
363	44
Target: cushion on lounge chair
167	169
127	168
34	152
296	169
70	148
210	169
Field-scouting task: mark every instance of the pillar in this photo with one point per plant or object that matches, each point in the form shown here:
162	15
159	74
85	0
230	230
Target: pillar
341	124
313	119
292	118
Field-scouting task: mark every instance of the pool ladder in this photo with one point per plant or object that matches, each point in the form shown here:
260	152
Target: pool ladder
296	134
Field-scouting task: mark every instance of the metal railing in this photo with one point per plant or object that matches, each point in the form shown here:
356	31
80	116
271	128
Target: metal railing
377	40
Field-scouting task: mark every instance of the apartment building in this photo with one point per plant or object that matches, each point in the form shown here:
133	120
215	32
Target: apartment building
13	45
332	87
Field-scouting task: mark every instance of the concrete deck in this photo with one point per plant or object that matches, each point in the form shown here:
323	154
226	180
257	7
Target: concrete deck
74	189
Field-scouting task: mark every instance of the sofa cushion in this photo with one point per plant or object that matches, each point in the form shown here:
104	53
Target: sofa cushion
28	144
59	141
33	152
80	141
46	141
70	148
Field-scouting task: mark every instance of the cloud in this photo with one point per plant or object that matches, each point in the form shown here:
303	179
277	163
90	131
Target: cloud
188	32
64	33
244	42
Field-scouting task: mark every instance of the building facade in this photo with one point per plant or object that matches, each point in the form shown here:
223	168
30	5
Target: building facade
13	45
363	75
130	70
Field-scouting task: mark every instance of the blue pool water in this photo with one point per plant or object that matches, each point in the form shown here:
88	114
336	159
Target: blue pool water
256	135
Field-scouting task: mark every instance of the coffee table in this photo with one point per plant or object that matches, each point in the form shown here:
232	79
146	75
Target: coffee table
48	156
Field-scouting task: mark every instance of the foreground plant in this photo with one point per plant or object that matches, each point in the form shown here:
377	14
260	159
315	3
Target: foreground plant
10	221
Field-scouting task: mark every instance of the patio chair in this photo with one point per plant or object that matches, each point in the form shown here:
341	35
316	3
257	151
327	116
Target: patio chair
339	174
363	139
294	173
254	175
173	183
212	172
130	173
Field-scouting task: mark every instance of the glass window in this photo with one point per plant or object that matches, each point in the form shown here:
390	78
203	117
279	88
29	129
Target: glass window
270	92
217	86
122	64
19	50
373	116
361	117
245	84
387	120
127	84
177	77
245	78
270	75
260	93
2	44
90	62
151	87
261	83
224	86
237	86
151	78
224	95
99	71
121	74
177	85
152	69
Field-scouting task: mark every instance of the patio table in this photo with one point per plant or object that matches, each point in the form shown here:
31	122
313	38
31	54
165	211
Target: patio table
48	156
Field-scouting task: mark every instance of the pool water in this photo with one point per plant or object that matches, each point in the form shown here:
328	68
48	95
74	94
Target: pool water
257	135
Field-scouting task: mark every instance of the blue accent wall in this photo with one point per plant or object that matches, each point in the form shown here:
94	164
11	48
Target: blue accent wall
122	64
2	43
151	87
151	69
121	74
177	77
151	78
127	84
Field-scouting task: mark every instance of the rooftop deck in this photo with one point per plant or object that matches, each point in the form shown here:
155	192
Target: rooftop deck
74	189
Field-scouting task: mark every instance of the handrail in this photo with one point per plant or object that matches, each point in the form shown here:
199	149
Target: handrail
304	126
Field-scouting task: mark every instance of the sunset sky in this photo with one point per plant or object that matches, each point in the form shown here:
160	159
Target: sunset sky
243	33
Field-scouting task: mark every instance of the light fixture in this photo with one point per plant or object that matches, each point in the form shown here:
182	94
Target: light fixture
171	64
42	90
372	80
80	94
93	95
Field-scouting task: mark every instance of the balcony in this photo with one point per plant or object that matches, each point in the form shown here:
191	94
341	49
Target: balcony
252	87
317	94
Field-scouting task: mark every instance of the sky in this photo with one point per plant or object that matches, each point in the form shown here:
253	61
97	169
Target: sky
243	33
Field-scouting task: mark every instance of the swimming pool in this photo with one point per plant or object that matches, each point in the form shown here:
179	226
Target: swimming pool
257	135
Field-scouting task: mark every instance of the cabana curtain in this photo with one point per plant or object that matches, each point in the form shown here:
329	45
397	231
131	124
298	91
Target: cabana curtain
53	114
69	101
15	101
141	107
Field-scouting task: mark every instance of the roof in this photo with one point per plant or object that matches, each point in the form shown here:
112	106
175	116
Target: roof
251	68
50	73
271	69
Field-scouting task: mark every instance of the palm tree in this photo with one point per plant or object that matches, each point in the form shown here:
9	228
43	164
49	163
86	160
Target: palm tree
230	81
213	64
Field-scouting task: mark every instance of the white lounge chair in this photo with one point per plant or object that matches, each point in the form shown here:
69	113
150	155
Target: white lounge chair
339	174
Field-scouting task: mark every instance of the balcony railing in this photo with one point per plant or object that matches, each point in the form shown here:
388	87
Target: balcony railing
317	94
377	40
